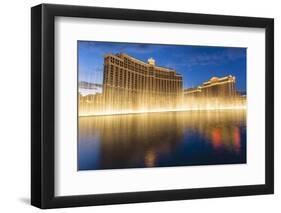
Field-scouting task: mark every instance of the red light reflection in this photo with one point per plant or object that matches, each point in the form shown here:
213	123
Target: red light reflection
216	138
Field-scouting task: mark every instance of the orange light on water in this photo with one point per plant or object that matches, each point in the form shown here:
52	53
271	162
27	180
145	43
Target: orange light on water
216	138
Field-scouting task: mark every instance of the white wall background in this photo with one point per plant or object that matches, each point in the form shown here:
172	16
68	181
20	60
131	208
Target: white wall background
15	105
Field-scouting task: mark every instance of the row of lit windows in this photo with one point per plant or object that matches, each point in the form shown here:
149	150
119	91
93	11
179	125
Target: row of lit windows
222	89
151	74
226	89
139	67
127	63
114	76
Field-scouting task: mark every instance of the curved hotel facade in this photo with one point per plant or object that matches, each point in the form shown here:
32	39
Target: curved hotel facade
129	83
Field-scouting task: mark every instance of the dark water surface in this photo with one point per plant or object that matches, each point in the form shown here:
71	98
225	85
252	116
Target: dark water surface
162	139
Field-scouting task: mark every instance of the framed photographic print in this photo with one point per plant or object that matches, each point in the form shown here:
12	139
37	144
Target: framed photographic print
140	106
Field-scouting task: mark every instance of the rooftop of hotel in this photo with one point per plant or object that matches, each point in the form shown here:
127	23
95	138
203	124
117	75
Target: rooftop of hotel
212	81
150	62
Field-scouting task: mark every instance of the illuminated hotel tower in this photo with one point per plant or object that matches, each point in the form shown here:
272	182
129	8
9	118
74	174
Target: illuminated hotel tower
129	83
215	87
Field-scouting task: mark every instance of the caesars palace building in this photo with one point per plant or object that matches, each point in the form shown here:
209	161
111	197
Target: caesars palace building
129	82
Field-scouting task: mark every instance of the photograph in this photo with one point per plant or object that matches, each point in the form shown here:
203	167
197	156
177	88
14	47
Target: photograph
142	105
134	105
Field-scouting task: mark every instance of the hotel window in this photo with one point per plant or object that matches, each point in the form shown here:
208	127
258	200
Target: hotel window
129	79
125	79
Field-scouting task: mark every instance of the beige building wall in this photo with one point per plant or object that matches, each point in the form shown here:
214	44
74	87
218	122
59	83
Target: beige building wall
129	82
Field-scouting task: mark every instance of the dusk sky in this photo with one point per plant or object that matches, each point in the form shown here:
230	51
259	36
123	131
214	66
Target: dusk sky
196	64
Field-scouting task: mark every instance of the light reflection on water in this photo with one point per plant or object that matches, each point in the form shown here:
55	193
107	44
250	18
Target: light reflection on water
162	139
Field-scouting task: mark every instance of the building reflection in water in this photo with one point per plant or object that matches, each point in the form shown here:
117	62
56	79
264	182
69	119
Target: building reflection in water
162	139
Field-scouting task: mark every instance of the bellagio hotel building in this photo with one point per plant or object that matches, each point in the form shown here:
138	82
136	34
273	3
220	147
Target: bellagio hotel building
131	84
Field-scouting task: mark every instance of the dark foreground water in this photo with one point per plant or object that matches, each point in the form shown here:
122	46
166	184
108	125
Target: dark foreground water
162	139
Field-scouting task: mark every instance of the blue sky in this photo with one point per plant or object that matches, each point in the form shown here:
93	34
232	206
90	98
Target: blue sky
196	63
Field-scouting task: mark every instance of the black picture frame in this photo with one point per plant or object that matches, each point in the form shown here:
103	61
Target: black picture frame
43	101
